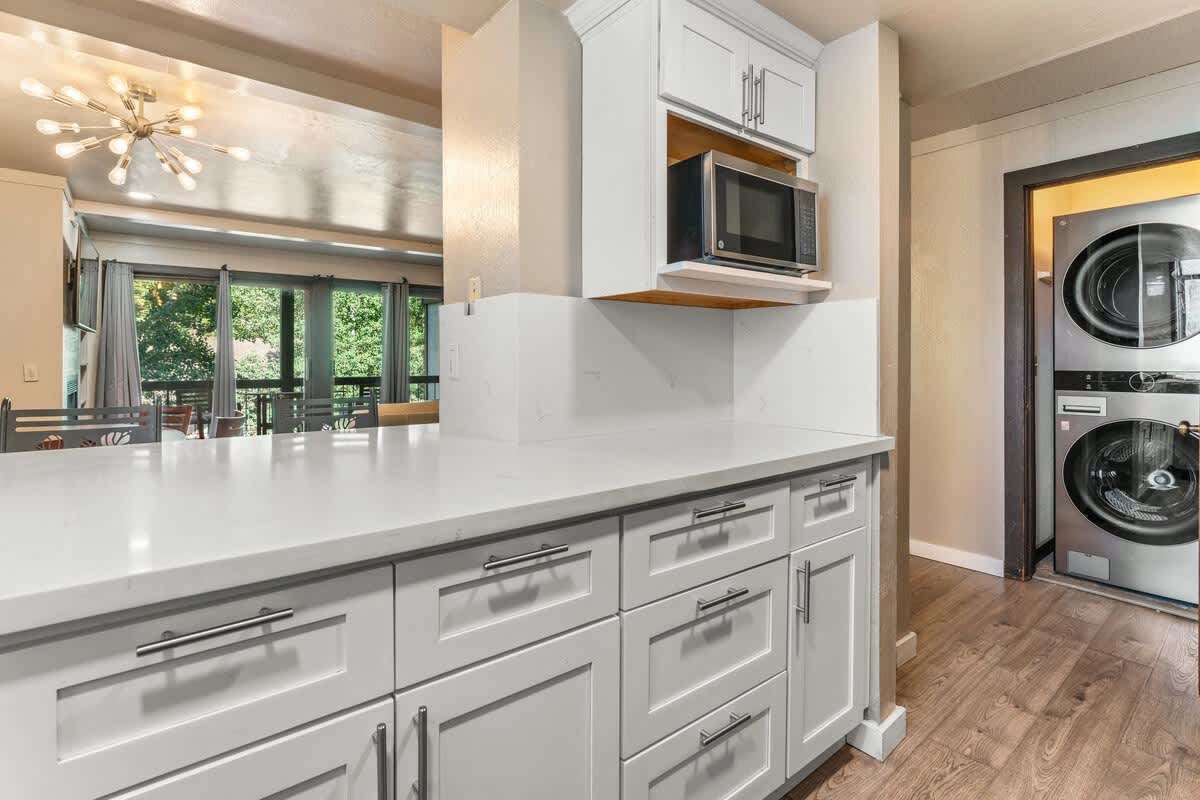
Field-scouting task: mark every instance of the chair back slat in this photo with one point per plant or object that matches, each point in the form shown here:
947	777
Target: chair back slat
26	430
178	418
300	414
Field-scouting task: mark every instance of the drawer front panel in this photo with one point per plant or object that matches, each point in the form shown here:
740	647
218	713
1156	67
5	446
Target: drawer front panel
693	651
829	502
683	545
464	606
99	716
339	758
734	753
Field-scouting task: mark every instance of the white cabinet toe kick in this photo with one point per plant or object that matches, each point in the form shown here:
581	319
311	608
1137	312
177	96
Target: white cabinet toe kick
711	646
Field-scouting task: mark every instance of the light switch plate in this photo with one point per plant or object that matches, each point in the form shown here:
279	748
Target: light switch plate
30	373
452	358
474	288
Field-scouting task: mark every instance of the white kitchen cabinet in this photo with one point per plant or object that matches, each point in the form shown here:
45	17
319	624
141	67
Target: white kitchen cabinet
704	61
828	501
785	106
683	655
734	753
460	607
827	659
538	724
346	757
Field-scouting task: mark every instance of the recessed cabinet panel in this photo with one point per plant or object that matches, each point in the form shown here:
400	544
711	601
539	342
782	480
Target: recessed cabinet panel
343	758
828	645
464	606
537	724
734	753
685	654
109	709
704	61
682	545
786	103
828	502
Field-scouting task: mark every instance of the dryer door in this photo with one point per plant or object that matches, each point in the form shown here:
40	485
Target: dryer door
1137	286
1136	479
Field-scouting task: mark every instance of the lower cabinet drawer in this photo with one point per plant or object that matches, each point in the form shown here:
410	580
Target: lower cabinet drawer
686	654
734	753
828	502
468	605
347	757
670	548
102	711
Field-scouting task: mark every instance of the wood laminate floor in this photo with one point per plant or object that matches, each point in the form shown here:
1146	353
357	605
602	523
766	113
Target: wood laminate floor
1033	690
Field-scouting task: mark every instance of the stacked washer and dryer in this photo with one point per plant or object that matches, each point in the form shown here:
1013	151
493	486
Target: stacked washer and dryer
1127	372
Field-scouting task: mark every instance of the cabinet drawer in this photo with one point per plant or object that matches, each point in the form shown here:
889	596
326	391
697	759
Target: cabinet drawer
686	654
734	753
668	549
345	758
97	717
829	502
467	605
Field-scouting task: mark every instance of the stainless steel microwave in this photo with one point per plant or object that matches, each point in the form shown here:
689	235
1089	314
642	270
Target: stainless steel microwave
726	210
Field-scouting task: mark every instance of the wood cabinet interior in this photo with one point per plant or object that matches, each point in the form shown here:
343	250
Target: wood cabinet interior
686	139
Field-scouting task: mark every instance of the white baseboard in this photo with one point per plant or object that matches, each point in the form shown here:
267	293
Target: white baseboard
906	648
959	558
879	739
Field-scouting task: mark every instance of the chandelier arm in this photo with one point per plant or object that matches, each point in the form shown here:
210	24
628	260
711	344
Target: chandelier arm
167	156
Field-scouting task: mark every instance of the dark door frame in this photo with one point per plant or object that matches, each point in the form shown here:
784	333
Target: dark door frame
1019	424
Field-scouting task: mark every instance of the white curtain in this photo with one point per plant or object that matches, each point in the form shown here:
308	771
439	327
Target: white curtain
119	377
224	396
394	380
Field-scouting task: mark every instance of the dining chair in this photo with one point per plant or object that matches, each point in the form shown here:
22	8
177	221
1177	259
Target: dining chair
201	402
301	414
226	427
27	430
177	417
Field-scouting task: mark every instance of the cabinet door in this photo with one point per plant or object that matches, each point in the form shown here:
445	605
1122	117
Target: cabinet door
786	103
828	646
537	724
704	61
347	757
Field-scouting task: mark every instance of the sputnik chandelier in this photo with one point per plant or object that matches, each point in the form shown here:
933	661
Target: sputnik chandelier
128	128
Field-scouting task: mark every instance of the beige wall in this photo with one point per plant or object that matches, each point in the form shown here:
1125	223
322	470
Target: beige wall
957	417
511	154
31	287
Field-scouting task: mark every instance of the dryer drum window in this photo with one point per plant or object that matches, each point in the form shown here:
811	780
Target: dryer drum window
1137	286
1136	479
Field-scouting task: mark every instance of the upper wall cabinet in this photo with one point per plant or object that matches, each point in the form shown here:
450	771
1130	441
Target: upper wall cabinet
714	67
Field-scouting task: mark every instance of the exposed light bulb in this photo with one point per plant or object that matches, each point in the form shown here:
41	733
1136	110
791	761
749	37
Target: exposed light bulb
120	172
190	113
35	88
240	153
186	181
113	122
51	128
72	149
118	84
190	164
74	95
120	145
162	162
188	131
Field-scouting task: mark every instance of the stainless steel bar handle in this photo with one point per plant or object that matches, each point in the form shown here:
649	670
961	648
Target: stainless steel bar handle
746	112
735	721
730	595
836	481
421	785
724	508
381	761
495	562
170	640
1082	409
762	96
806	609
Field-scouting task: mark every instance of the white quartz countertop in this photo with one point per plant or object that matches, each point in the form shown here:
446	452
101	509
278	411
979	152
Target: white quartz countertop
94	531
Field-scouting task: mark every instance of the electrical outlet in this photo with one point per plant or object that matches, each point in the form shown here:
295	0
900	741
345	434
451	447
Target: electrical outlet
474	288
30	371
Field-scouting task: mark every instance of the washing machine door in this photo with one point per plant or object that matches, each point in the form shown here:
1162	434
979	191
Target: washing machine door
1137	286
1136	479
